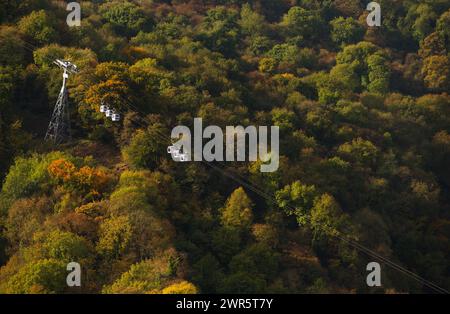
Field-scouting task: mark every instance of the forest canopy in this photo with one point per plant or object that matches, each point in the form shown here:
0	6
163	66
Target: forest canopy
364	118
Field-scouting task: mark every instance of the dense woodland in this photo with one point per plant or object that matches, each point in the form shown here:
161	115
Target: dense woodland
364	117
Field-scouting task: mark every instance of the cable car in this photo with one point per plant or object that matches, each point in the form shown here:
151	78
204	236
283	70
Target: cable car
108	113
103	108
115	117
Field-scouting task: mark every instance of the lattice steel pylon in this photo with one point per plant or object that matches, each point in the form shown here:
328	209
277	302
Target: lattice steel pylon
59	126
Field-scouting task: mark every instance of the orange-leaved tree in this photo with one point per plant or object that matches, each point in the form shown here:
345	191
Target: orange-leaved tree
85	179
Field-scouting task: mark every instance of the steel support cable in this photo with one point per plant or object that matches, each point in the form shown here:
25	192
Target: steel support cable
272	200
339	235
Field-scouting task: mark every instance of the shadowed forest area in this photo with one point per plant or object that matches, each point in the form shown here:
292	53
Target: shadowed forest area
364	118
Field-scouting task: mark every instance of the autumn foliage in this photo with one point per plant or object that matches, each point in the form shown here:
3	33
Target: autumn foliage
84	178
364	119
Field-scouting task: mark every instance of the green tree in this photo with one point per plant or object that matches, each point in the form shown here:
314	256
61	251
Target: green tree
425	17
360	151
146	147
346	31
238	210
297	199
220	30
26	177
356	55
148	276
251	22
43	276
346	74
339	84
257	259
148	73
226	242
284	119
125	16
39	26
65	246
327	218
299	24
379	74
115	236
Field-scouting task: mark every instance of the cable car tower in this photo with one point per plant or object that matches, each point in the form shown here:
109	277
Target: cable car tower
59	126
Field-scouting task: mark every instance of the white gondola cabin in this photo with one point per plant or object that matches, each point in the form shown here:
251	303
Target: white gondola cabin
115	117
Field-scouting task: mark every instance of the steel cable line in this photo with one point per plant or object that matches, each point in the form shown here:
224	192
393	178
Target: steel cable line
337	234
